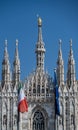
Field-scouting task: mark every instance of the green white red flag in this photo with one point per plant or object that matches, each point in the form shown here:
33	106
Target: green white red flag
22	103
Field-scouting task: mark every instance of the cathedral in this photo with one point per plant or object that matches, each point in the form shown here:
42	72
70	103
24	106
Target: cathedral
39	91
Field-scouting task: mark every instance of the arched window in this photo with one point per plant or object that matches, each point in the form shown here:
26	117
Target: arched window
4	120
43	90
66	112
38	89
34	90
72	119
38	121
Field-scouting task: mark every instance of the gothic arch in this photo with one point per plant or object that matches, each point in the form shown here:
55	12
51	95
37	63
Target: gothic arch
39	118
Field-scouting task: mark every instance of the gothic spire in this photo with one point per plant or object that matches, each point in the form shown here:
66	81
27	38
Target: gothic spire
6	67
71	67
40	50
60	66
16	64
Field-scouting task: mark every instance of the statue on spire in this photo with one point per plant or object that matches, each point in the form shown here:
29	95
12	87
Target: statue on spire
6	43
60	42
39	21
16	42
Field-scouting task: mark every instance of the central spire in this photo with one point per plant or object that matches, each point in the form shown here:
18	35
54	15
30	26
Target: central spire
40	50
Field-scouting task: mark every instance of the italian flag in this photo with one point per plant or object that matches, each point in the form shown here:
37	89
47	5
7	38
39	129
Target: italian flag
22	103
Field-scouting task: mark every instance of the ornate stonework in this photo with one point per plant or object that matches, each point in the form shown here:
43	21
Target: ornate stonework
39	91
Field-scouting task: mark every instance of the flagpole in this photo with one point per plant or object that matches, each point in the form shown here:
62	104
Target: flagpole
22	106
19	119
20	122
19	125
56	122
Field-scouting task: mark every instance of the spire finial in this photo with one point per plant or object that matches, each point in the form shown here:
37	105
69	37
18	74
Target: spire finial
5	43
16	51
39	21
60	42
70	43
16	42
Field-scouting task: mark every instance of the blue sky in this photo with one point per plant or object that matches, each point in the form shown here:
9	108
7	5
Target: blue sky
18	20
